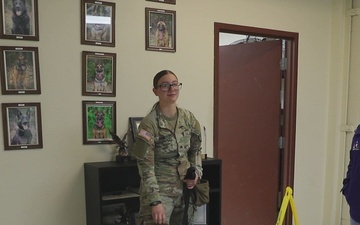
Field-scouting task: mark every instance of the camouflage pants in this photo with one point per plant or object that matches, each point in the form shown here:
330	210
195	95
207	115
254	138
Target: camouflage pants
174	211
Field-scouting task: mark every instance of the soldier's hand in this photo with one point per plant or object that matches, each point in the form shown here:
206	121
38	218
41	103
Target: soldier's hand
158	214
190	184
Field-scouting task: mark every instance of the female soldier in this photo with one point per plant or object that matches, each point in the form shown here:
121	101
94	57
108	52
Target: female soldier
168	142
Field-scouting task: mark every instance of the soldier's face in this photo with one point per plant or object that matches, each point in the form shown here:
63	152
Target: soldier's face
172	94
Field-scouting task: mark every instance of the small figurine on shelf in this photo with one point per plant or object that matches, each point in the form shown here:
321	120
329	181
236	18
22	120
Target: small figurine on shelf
123	154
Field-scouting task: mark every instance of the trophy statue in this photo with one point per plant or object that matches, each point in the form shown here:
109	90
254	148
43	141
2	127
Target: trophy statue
123	154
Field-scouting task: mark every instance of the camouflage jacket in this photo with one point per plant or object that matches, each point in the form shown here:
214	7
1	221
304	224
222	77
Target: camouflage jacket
163	153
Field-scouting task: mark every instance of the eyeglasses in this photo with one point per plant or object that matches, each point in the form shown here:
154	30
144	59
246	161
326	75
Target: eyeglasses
166	86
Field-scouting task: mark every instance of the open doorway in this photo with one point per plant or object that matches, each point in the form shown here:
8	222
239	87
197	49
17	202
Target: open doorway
255	82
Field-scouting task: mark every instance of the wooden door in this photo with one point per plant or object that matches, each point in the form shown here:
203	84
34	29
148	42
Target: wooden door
248	130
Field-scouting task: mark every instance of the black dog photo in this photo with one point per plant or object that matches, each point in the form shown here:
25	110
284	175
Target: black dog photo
23	134
18	17
22	126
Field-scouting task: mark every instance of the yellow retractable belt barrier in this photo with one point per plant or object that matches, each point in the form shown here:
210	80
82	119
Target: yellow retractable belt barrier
287	198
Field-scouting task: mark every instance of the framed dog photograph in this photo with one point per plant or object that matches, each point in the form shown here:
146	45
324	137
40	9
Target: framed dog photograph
97	23
19	20
164	1
134	125
99	73
20	70
98	119
22	126
160	30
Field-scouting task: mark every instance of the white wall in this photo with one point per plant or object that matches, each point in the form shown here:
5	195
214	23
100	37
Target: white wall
46	186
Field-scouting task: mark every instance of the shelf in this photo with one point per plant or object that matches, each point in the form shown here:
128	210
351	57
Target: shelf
109	190
119	195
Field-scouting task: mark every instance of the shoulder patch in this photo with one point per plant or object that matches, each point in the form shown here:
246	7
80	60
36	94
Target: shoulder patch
144	134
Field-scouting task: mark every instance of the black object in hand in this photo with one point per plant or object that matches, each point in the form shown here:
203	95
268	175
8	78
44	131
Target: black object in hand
190	174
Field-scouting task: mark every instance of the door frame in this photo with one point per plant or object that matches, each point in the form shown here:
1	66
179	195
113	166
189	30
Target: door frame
290	93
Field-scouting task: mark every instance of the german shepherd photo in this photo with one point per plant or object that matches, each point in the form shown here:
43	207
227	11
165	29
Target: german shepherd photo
20	70
99	73
23	134
99	129
100	83
97	30
20	18
98	119
162	34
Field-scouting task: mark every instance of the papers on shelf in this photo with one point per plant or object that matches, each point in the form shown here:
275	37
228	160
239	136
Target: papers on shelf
119	195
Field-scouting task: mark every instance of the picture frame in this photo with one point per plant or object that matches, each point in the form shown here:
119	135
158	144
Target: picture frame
19	20
173	2
160	30
98	118
98	74
20	70
22	126
134	125
200	215
97	23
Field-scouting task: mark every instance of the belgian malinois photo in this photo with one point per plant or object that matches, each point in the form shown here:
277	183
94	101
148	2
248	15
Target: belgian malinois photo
19	74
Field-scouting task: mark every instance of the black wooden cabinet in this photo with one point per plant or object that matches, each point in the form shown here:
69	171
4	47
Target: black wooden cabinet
212	173
110	192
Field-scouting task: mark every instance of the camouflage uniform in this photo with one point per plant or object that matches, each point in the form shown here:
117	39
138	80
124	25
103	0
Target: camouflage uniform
163	156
